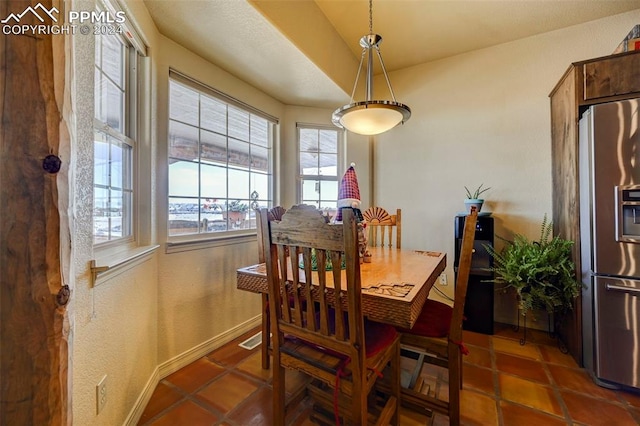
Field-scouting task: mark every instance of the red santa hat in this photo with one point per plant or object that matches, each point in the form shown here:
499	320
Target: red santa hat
348	192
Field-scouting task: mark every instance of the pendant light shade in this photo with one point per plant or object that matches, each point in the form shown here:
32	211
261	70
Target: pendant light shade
371	117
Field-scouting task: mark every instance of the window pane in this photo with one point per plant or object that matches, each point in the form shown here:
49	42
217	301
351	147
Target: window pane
260	184
213	147
238	124
98	97
183	216
328	164
260	159
238	153
183	141
328	141
116	167
114	105
183	105
112	59
183	179
308	140
238	184
100	210
329	190
309	164
310	190
214	181
259	131
100	159
213	115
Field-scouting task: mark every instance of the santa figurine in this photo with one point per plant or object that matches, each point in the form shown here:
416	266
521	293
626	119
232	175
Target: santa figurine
349	197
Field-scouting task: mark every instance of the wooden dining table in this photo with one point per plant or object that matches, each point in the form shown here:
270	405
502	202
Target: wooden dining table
395	285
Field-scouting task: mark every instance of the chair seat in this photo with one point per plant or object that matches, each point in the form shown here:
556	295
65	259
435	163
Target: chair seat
434	320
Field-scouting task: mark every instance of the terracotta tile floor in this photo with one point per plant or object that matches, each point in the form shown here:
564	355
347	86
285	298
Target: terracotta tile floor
504	384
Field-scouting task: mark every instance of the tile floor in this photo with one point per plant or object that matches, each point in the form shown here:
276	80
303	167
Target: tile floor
504	384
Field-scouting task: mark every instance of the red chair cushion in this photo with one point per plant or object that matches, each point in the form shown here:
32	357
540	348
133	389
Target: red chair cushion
434	320
378	336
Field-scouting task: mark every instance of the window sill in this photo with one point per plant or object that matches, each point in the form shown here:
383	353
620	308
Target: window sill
178	246
108	267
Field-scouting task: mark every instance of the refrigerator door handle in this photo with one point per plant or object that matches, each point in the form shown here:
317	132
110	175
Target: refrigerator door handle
622	288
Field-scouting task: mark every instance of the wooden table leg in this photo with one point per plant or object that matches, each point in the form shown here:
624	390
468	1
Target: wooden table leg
266	331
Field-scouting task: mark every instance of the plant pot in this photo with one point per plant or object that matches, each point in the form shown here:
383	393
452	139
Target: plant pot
469	202
235	217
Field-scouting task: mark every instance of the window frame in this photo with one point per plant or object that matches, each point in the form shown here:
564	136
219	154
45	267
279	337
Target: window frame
131	104
300	178
202	239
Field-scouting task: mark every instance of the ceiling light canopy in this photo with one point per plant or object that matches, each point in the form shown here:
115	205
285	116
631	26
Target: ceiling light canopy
371	117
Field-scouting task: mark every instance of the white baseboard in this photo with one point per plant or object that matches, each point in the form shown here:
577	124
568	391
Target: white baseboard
189	356
142	401
184	359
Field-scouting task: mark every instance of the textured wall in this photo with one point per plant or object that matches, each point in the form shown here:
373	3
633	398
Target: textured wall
115	323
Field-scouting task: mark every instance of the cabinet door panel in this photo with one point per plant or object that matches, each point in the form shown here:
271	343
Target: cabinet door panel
612	77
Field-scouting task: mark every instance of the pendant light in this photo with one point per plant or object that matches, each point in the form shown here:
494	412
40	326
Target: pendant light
371	117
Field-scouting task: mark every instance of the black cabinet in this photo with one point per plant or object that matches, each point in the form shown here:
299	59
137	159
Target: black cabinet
478	307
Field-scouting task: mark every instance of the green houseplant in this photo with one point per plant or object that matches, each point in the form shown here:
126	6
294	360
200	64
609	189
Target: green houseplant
541	272
473	197
237	210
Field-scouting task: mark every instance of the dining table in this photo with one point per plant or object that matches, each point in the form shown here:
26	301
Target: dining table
395	284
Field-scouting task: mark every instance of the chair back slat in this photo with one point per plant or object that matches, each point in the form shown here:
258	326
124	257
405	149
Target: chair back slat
295	289
323	305
282	301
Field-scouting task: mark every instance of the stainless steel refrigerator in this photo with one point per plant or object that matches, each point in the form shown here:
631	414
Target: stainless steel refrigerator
609	169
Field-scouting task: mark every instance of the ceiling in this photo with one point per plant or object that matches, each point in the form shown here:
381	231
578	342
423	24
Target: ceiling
306	52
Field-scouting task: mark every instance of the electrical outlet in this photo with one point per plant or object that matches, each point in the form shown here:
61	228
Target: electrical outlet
101	394
443	279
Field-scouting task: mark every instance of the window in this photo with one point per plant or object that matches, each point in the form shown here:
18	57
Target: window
114	139
220	160
318	151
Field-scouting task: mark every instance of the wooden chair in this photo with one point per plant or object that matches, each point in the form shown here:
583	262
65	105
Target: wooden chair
378	221
437	337
328	339
272	214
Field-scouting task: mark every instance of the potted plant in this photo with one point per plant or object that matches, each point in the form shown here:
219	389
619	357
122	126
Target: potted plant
541	272
473	197
237	211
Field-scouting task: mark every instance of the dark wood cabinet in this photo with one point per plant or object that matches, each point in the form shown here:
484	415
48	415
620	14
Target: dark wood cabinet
585	83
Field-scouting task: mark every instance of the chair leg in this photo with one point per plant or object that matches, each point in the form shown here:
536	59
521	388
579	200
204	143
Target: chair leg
455	384
266	332
278	383
395	383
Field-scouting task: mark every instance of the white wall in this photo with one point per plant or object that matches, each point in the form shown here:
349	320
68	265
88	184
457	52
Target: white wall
482	117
